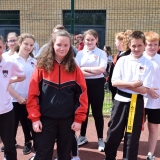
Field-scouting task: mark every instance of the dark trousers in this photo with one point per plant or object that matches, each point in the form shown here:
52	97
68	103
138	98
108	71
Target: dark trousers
75	146
95	91
59	129
21	116
116	130
7	135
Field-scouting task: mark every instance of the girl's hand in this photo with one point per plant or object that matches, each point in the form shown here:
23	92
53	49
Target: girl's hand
76	126
152	92
21	100
37	126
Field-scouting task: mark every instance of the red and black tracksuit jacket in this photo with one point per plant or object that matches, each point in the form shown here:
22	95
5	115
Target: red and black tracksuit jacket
57	94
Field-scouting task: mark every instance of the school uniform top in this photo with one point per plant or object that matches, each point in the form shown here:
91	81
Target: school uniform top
94	58
8	54
57	94
8	69
28	67
155	82
129	69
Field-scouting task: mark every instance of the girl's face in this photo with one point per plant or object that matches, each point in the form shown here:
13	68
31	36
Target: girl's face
90	41
26	46
61	47
12	42
1	48
118	44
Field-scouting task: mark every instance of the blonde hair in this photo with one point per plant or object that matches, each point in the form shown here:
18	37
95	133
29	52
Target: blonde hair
21	38
119	36
125	41
151	36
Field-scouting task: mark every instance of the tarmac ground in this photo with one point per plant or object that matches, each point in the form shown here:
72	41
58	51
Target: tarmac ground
89	151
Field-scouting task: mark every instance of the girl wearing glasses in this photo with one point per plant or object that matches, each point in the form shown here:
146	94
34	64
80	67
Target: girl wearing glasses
11	44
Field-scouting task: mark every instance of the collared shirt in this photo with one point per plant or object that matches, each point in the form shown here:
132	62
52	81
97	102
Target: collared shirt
8	69
155	83
129	69
8	54
94	58
28	67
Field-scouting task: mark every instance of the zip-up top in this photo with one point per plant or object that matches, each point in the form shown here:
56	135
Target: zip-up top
57	94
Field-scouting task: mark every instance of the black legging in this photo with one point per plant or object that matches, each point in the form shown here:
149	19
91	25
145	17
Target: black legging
21	116
95	90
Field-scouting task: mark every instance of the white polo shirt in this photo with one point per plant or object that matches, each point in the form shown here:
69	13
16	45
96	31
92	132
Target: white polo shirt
155	83
129	69
94	58
8	54
28	67
8	69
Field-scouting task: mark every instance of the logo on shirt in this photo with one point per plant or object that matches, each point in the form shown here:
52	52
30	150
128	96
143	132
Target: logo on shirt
32	64
5	73
141	69
96	57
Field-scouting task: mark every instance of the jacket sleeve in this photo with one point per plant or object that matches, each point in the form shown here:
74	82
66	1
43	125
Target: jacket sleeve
80	113
33	107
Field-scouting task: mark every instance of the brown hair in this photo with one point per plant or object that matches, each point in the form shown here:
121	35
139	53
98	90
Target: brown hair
46	59
59	27
91	32
11	33
108	50
125	41
137	35
21	38
152	36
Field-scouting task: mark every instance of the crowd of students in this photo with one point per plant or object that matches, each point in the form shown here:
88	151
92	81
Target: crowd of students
51	93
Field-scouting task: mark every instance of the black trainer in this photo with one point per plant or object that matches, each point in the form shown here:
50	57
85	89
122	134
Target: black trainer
27	148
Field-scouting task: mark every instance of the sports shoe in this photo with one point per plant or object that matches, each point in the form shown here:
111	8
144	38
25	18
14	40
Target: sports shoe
150	156
101	145
81	140
2	148
75	158
27	148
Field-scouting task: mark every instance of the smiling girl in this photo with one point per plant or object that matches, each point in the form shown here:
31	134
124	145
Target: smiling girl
57	101
12	39
93	62
19	91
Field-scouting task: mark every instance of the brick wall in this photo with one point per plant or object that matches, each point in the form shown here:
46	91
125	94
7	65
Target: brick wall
39	16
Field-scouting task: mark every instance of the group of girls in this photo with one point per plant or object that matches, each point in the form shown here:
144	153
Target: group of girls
52	103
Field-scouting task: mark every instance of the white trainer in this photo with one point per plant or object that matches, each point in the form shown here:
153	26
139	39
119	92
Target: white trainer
101	145
81	140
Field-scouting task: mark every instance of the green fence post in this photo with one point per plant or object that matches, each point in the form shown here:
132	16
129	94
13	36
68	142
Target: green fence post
72	17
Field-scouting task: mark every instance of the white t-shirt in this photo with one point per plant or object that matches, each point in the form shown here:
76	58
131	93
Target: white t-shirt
129	69
28	67
155	83
8	69
94	58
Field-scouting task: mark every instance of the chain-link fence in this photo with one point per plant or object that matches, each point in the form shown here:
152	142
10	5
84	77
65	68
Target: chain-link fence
38	17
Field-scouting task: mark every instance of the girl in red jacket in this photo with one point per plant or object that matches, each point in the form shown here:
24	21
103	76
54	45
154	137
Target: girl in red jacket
57	101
